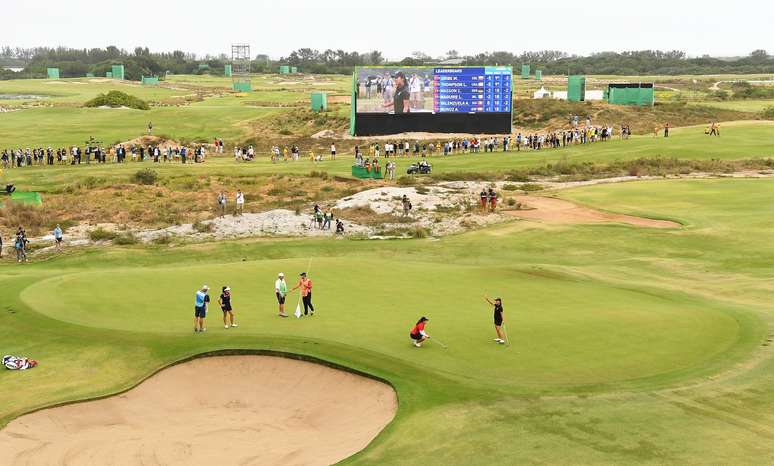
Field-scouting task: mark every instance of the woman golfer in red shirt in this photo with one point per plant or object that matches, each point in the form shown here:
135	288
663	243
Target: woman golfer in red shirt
418	334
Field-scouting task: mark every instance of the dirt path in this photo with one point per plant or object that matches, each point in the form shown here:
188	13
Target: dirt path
552	210
245	410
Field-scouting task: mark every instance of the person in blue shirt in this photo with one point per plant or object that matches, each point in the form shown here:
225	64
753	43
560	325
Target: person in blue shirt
200	308
58	237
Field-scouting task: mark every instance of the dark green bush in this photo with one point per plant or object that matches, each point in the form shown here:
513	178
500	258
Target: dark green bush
145	176
101	235
117	99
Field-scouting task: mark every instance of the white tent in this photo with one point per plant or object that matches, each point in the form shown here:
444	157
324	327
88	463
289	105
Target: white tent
541	94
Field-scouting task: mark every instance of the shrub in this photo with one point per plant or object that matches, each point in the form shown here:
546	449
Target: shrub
510	187
145	176
321	174
530	187
101	234
202	227
125	239
420	232
163	239
117	99
421	190
511	201
768	113
405	181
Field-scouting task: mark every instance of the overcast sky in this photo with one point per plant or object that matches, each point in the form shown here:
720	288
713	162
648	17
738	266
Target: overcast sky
397	28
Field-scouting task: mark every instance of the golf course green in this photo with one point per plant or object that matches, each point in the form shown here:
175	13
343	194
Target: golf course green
627	344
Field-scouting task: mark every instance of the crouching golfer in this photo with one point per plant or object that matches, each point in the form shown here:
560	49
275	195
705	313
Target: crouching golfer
418	334
281	291
200	308
498	318
225	306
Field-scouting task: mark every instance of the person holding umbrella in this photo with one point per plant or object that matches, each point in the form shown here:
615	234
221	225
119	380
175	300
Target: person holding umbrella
281	291
306	292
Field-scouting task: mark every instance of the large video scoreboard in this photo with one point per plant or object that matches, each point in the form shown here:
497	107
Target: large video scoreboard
443	99
472	90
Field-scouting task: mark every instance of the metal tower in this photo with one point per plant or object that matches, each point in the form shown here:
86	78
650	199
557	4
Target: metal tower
240	67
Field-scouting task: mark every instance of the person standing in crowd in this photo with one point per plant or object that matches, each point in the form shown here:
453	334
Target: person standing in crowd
225	305
200	308
58	237
498	318
281	291
222	204
306	293
240	203
415	92
484	197
418	334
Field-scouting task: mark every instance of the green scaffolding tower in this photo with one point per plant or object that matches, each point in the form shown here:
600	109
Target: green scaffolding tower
240	67
576	88
118	72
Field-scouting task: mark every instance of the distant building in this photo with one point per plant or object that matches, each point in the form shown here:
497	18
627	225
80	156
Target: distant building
452	61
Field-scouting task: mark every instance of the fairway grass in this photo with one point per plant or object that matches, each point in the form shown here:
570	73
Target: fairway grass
629	345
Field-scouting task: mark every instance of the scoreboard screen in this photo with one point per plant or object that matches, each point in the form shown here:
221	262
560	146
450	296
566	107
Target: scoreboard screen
472	90
450	99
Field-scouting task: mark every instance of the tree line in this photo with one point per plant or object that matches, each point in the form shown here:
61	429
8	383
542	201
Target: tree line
141	61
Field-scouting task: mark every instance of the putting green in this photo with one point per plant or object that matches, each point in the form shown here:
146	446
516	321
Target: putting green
564	330
630	345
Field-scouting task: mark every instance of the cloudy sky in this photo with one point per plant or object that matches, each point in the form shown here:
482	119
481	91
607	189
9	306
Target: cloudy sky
396	28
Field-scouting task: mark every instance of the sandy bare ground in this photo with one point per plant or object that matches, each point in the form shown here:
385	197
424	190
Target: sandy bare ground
552	210
229	410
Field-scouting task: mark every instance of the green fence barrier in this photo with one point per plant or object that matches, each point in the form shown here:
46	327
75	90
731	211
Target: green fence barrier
243	87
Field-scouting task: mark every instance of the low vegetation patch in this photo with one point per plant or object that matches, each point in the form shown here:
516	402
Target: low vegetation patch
364	215
145	176
100	234
117	99
125	239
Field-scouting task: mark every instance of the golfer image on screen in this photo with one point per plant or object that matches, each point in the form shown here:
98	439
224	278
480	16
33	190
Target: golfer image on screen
401	100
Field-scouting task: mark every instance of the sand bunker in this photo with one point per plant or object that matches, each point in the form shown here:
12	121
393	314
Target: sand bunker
552	210
224	410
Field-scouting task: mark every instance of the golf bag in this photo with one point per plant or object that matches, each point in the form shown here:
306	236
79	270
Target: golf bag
15	363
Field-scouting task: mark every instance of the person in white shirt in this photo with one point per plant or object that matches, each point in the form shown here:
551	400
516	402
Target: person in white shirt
333	151
281	291
240	202
415	92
